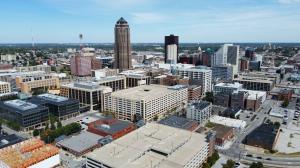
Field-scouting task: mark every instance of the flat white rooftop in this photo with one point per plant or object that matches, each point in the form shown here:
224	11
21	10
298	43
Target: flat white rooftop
253	95
230	85
228	122
145	92
87	86
52	97
153	145
2	83
20	104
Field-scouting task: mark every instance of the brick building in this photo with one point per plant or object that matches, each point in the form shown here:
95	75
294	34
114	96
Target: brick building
111	126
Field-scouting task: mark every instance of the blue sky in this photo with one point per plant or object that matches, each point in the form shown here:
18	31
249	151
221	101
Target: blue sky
150	20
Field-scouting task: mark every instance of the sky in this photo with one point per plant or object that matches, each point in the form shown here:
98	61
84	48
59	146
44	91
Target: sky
195	21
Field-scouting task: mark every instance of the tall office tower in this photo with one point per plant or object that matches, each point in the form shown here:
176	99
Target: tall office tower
84	62
171	49
227	54
122	45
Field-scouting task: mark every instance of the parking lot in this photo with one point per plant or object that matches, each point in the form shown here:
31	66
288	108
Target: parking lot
288	140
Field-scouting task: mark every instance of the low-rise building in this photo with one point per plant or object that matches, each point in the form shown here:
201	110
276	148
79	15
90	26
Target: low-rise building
179	122
281	94
170	80
254	99
227	88
146	101
199	111
80	144
153	145
25	114
32	153
275	77
229	122
105	72
223	134
45	68
59	106
8	140
265	136
136	78
27	84
111	127
255	83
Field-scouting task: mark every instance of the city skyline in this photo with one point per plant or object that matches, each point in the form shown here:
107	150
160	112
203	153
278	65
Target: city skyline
214	21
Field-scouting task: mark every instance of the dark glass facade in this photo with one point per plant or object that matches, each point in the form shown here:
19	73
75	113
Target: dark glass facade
24	118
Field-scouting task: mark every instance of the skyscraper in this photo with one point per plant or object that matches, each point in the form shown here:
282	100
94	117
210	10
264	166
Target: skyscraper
227	54
122	45
171	49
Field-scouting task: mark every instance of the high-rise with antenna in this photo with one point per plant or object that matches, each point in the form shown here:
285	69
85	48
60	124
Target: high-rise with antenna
32	39
80	41
32	42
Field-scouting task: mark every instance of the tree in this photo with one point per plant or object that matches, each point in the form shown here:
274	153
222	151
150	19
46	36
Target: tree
229	164
52	126
206	165
285	103
36	132
256	165
277	124
59	125
209	96
155	118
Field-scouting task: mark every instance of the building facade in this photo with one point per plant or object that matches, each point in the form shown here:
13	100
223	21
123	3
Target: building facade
114	82
194	92
198	76
222	73
227	88
227	54
153	145
27	84
25	114
45	68
111	127
146	101
254	83
171	49
122	45
5	87
199	111
90	95
59	106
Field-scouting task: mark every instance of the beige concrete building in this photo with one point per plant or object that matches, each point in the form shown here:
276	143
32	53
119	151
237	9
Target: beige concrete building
115	82
153	145
4	87
45	68
40	81
89	94
255	83
146	101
